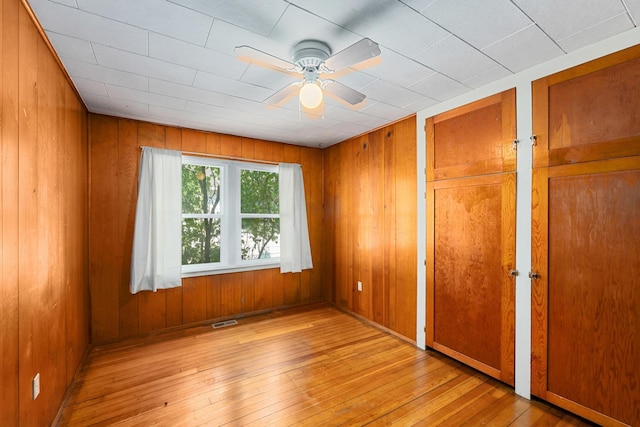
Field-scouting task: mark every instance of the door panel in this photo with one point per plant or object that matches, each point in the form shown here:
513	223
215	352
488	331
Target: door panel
586	331
473	241
594	290
475	139
590	112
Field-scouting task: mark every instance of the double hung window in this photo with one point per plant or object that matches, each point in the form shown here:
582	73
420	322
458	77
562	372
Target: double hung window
230	216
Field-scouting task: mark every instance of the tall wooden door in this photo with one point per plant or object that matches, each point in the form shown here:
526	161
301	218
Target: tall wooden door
471	234
586	239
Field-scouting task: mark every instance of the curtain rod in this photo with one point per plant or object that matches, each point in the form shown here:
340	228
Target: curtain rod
219	156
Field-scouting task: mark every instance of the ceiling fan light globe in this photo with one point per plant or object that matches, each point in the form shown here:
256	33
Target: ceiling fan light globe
310	95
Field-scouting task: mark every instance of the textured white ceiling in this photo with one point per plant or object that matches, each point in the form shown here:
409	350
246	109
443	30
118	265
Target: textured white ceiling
173	61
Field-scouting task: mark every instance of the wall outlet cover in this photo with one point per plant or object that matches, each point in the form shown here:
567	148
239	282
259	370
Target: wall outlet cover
35	386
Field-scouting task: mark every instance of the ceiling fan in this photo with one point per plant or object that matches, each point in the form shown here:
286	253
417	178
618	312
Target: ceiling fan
313	59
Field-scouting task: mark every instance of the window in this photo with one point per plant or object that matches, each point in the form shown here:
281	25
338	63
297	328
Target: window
230	216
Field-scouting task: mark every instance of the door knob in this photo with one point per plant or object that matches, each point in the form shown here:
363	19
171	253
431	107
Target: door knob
534	275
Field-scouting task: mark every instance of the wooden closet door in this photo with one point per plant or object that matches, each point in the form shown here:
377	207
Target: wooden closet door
586	239
471	197
586	303
470	290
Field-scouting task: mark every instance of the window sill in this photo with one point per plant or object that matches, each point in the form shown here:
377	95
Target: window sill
191	271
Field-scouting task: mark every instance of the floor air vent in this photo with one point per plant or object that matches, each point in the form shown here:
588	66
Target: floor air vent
224	324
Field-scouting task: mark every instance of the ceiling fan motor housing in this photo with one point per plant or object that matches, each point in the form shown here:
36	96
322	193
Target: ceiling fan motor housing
308	55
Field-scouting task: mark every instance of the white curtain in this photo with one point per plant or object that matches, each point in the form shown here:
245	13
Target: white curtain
295	250
156	261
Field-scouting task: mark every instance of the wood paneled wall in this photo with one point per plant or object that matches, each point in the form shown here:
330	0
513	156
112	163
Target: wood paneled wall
44	294
370	226
115	312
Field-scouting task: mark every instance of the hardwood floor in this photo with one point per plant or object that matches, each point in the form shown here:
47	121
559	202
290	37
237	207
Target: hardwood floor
312	365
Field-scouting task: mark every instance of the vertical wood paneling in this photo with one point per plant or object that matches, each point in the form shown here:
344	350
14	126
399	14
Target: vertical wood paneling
370	225
248	148
277	287
75	232
115	153
328	223
248	291
52	312
128	155
263	291
9	218
194	300
213	143
362	268
31	267
103	221
387	295
350	232
377	289
406	227
230	294
213	297
43	223
230	146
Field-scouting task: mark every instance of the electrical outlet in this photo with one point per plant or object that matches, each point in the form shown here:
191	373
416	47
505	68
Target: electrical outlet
35	386
359	286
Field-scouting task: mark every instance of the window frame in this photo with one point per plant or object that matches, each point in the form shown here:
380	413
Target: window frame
231	218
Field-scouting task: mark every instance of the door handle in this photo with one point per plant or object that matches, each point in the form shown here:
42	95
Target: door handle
533	275
514	273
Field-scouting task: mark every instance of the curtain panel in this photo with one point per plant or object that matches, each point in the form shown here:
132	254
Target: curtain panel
295	249
156	260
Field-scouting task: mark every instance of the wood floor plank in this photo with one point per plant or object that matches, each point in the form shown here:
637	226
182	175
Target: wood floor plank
310	365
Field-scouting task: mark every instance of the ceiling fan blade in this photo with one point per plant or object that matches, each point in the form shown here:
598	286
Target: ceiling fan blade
282	94
264	58
343	92
354	54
